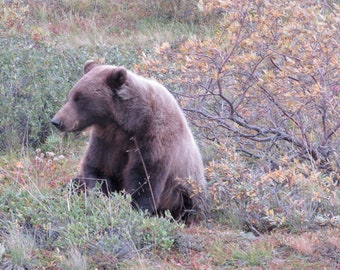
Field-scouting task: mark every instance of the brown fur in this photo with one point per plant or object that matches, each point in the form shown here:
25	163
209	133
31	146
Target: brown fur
140	141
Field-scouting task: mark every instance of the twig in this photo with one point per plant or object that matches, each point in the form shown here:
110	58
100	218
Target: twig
145	171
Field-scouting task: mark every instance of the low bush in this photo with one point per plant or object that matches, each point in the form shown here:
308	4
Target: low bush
76	229
35	80
294	197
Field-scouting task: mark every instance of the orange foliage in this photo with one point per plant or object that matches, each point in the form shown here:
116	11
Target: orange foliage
268	77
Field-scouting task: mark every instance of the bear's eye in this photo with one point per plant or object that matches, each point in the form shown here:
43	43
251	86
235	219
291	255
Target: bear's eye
77	97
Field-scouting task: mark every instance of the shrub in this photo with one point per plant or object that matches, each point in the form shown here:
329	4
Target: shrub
91	225
179	10
294	197
268	78
13	16
35	79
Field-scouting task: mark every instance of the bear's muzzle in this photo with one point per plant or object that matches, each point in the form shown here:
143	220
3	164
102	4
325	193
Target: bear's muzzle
57	123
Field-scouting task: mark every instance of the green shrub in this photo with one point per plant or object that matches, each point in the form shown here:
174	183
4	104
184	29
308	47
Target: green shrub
35	79
185	11
92	225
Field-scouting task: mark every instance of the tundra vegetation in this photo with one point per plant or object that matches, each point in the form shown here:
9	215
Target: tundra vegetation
259	82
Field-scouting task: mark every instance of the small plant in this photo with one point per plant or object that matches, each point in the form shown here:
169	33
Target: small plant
305	244
20	247
257	255
75	261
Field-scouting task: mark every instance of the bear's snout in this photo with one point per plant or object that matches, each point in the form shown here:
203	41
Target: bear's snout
57	123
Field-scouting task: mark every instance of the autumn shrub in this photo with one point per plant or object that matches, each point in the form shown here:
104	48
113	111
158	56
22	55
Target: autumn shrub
295	197
268	79
262	94
13	16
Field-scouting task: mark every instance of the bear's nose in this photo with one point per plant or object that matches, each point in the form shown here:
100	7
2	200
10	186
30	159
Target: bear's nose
56	122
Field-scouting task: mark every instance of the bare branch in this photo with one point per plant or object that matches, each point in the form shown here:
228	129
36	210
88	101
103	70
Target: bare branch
331	133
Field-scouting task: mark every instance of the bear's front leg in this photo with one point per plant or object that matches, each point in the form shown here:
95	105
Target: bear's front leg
144	186
86	180
89	177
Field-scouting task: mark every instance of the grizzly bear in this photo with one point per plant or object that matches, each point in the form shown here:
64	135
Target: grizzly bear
140	141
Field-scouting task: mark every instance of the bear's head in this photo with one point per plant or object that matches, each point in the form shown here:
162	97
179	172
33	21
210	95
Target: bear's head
90	101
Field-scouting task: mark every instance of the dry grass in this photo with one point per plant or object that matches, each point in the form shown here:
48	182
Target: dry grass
139	25
305	243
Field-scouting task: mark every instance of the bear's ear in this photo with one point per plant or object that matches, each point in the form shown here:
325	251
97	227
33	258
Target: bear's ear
117	77
90	64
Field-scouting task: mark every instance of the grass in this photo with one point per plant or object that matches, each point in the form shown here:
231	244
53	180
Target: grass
281	219
75	261
43	225
77	229
20	247
132	25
